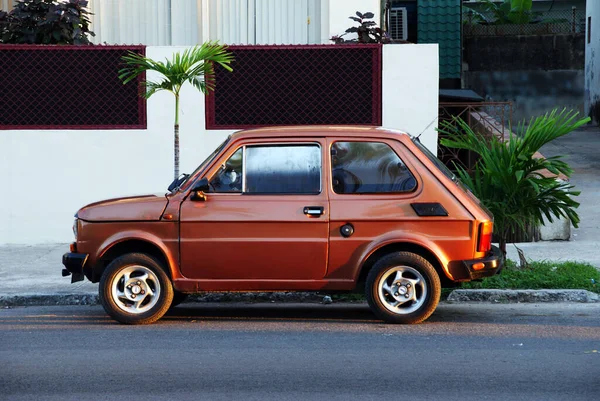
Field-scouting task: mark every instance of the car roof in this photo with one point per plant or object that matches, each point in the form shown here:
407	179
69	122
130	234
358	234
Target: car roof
319	131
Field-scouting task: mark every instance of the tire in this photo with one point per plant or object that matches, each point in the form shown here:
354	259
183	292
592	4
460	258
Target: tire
403	287
134	289
178	298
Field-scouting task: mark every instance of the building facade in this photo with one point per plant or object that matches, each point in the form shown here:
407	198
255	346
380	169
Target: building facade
592	60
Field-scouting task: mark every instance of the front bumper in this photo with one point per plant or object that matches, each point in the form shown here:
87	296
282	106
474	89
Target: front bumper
484	267
74	264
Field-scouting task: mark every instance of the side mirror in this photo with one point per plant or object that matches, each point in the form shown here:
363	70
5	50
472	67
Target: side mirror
201	185
177	182
199	188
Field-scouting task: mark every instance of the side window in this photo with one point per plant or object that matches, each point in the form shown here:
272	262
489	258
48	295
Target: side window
368	167
283	169
229	176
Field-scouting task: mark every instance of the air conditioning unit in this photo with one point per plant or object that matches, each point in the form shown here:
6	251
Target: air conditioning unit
399	23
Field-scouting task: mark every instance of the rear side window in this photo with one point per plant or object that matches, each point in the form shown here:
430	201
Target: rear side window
367	168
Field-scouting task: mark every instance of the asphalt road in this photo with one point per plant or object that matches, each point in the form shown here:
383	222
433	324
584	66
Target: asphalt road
297	352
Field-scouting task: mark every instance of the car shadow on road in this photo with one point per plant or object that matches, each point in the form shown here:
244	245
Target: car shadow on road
529	320
351	313
359	313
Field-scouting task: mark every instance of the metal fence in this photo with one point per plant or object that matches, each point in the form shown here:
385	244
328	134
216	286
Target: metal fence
483	23
73	87
297	85
487	119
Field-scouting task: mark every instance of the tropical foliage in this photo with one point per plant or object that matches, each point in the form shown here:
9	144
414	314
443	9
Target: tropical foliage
46	22
510	181
505	13
367	31
194	66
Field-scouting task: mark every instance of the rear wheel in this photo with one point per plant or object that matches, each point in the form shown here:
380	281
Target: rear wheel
134	289
403	287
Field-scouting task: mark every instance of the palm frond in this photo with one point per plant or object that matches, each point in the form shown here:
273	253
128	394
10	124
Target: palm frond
153	87
509	180
194	65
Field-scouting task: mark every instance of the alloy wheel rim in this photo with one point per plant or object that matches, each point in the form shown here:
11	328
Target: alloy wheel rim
135	289
402	290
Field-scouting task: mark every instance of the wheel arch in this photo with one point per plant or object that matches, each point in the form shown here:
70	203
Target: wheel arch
403	246
131	245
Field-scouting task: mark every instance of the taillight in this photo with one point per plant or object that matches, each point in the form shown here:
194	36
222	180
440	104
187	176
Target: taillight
484	243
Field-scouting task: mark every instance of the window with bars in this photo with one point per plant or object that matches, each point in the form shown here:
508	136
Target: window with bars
398	23
68	87
297	85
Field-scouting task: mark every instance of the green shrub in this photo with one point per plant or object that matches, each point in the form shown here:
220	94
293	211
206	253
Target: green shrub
509	180
46	22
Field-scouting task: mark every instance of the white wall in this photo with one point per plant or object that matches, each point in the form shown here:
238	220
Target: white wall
149	22
46	176
592	59
189	22
410	90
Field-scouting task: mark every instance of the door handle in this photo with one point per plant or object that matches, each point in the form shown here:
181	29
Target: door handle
313	210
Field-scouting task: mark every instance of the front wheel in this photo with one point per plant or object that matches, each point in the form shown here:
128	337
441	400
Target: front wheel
403	287
134	289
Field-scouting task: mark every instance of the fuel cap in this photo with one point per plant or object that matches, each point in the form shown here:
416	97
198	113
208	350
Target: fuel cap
347	230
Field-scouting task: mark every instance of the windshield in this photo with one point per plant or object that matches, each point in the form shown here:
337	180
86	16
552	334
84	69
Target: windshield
205	162
438	163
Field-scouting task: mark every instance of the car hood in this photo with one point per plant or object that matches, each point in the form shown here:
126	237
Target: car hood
132	208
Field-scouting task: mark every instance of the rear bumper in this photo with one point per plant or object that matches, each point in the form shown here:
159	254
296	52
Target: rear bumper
485	267
74	264
474	269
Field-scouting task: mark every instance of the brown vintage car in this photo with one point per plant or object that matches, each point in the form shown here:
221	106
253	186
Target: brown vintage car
291	209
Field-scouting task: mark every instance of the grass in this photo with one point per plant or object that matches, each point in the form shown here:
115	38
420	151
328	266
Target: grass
539	275
543	275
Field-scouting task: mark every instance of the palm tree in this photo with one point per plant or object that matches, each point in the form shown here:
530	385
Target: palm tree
194	66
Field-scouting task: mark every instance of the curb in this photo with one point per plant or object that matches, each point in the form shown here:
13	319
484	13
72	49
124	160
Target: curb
92	298
525	296
48	300
456	296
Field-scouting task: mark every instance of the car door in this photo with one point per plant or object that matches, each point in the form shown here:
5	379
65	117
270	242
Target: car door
265	219
370	194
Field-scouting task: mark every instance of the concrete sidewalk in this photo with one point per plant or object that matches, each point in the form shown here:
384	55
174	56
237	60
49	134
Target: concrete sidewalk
581	150
35	270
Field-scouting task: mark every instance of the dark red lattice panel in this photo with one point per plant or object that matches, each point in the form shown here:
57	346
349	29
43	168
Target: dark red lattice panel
49	87
297	85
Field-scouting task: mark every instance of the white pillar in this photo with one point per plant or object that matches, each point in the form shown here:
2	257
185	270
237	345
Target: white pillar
410	90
